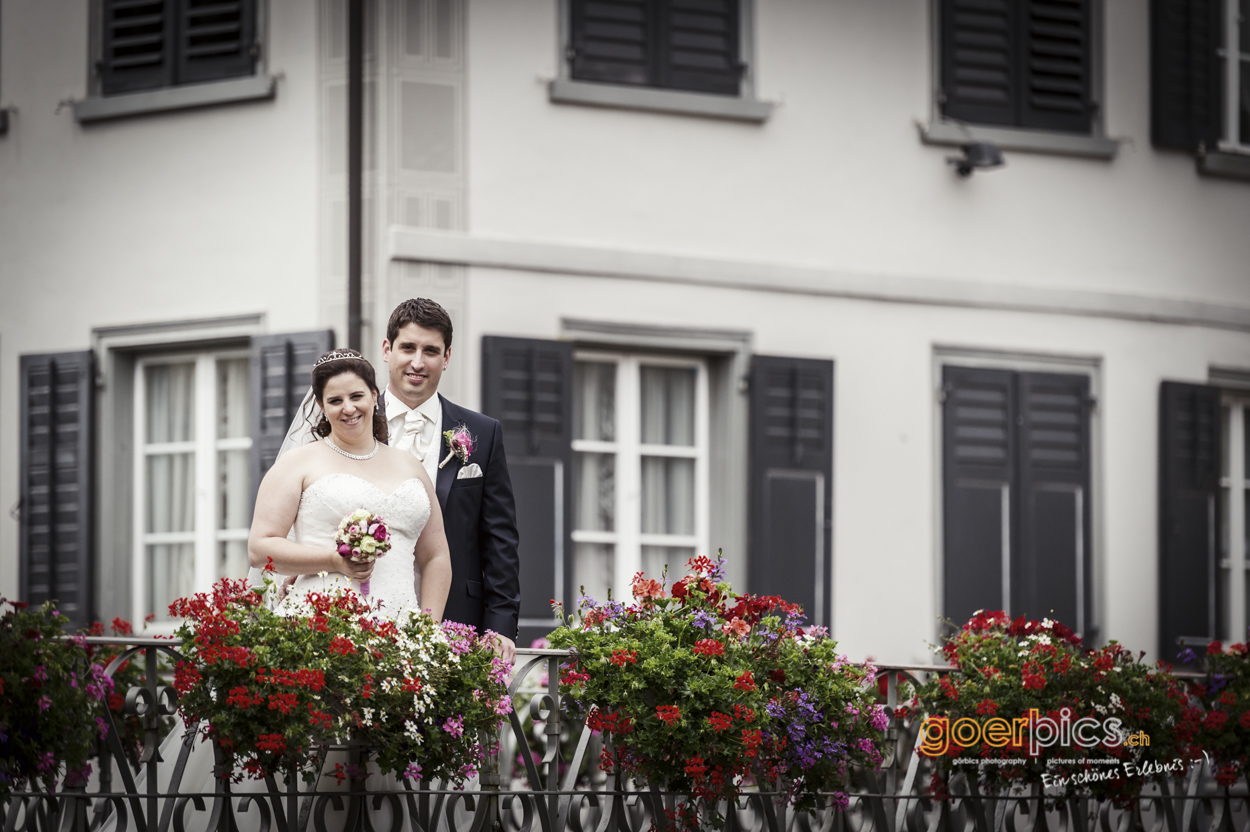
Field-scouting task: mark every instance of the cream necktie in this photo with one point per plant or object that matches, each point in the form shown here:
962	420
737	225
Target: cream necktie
414	424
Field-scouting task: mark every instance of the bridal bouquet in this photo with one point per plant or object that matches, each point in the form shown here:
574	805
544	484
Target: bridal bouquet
363	538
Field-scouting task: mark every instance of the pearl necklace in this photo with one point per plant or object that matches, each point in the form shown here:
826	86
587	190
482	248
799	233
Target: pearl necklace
370	455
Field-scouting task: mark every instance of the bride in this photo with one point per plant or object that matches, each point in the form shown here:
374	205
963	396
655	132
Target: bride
311	488
306	493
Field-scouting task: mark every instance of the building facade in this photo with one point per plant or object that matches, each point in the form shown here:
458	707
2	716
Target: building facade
710	263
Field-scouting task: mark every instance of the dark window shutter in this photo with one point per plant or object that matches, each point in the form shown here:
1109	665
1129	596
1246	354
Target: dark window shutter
791	482
137	47
978	474
613	41
1189	468
281	368
1018	64
57	461
216	39
1056	61
1052	571
979	60
1185	79
527	384
700	49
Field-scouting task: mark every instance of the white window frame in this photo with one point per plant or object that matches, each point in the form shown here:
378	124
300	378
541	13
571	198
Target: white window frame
1235	484
1232	141
205	536
627	538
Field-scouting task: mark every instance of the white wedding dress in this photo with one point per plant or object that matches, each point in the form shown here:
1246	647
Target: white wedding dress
323	505
395	585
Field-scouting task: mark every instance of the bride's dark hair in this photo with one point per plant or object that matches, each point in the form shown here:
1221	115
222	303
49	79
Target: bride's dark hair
325	370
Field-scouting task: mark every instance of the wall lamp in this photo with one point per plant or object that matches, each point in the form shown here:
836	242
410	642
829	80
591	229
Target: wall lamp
977	156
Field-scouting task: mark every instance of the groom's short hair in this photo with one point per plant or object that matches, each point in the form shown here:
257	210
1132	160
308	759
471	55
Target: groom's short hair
422	312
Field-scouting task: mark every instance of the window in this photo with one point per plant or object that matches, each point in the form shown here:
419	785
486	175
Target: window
192	485
1016	497
1012	64
1234	54
151	44
640	470
1231	577
672	44
676	56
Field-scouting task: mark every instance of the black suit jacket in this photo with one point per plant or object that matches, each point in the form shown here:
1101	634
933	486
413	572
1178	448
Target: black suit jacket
479	515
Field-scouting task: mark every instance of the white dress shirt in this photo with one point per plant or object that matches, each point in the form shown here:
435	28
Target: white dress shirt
418	431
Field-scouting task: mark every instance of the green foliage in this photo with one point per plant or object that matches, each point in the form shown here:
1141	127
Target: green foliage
705	691
1008	669
271	687
1223	728
51	699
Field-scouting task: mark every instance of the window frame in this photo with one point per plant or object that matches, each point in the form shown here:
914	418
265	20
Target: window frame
96	106
563	89
627	537
943	355
205	447
1234	487
944	131
1231	140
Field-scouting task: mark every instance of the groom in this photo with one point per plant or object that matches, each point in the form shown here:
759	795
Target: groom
475	493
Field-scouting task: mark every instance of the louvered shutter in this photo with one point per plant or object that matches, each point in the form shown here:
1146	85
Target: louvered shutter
281	375
1189	468
216	39
791	482
978	482
56	468
137	46
700	48
613	41
1055	67
1051	575
1185	79
527	384
978	60
1018	64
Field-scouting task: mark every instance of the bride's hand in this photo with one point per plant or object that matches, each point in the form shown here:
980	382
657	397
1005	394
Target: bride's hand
355	571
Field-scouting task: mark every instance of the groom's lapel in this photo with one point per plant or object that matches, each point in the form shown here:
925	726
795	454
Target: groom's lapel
446	474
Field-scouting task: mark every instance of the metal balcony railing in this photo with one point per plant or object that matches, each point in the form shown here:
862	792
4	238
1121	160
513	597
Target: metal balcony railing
546	779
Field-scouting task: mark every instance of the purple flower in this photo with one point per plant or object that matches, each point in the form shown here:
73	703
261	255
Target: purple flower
879	720
41	673
839	801
703	619
101	727
379	533
1186	656
413	772
44	703
454	726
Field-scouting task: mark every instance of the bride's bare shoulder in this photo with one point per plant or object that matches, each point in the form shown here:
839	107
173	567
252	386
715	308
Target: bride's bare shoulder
296	463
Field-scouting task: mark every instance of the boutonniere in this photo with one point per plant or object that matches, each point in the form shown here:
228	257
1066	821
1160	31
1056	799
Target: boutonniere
459	445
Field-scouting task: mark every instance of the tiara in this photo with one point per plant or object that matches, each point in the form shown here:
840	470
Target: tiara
335	355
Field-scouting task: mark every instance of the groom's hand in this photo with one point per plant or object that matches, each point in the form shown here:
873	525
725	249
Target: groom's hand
506	648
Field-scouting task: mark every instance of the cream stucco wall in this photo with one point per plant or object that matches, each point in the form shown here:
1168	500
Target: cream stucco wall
161	217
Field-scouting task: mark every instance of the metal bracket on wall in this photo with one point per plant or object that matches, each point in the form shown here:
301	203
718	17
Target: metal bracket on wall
4	121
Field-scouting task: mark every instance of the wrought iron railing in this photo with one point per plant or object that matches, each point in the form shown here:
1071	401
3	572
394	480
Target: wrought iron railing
546	779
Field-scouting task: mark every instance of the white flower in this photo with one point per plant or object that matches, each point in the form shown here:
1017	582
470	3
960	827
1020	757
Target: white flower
1044	639
1116	703
367	716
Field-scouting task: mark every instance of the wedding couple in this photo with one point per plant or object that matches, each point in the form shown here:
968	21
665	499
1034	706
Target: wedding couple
451	515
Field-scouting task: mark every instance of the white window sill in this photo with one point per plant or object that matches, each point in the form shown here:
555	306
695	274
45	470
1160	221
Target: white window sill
1226	165
175	98
654	100
1010	138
